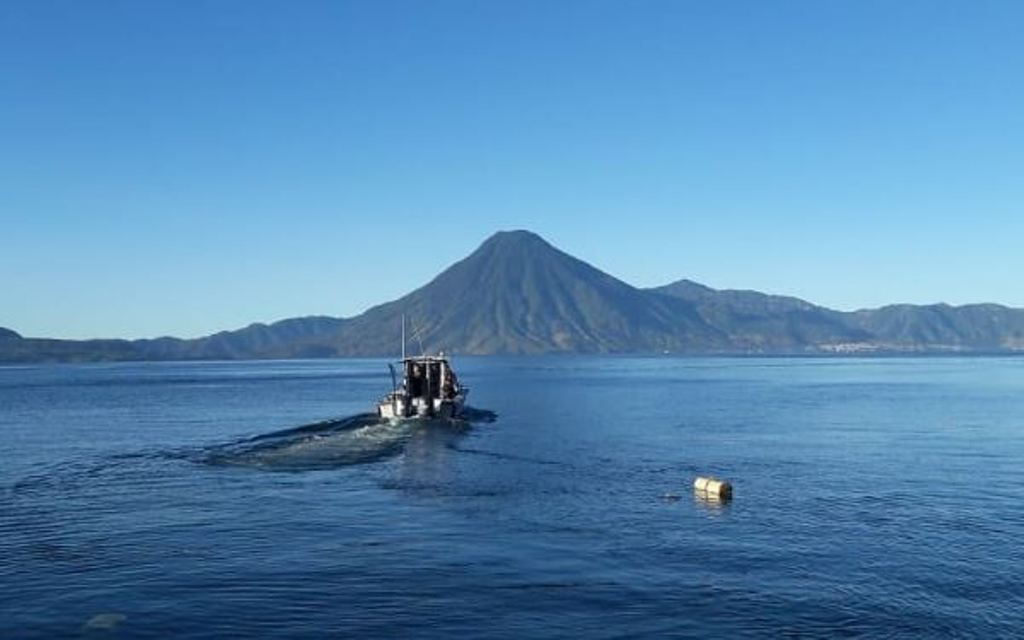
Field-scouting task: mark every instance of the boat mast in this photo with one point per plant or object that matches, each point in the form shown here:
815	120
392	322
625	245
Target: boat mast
403	336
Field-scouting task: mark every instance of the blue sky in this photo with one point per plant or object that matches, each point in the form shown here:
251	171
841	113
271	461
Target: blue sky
184	167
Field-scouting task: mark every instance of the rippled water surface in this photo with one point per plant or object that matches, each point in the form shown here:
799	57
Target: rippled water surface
880	498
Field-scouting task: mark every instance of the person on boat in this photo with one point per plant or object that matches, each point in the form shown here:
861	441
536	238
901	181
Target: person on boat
451	385
416	381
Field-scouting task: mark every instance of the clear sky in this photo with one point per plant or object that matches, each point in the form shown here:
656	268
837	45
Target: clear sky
182	167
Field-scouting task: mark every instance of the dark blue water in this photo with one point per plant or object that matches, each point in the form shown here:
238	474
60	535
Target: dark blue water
880	498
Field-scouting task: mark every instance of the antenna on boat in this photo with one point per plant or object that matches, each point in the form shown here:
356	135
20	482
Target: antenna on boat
403	336
419	337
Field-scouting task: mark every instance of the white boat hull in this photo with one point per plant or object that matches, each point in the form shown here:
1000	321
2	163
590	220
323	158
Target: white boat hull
398	406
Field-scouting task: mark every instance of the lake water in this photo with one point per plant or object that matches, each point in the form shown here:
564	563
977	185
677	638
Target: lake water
880	498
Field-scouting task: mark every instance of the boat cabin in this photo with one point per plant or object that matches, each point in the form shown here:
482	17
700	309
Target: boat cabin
429	377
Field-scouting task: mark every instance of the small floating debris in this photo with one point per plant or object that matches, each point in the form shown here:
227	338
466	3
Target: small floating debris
713	488
670	497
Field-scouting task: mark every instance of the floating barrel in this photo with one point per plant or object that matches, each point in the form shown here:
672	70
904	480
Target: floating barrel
713	487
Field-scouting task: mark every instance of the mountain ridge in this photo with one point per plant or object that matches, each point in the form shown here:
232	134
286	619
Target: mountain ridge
518	294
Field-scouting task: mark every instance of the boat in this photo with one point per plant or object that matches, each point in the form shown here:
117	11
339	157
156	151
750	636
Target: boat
429	388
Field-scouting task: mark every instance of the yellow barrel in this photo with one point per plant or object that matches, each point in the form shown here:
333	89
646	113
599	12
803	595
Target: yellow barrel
713	487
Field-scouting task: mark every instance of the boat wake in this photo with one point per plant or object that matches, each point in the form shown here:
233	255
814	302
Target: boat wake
341	442
329	444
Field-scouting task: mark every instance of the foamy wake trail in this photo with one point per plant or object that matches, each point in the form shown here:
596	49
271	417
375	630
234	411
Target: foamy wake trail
333	443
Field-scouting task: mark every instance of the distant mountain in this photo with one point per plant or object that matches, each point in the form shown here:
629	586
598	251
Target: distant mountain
760	322
292	338
980	328
517	294
941	327
748	301
17	349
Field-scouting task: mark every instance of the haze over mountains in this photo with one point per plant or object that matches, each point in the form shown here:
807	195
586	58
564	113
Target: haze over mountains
517	294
